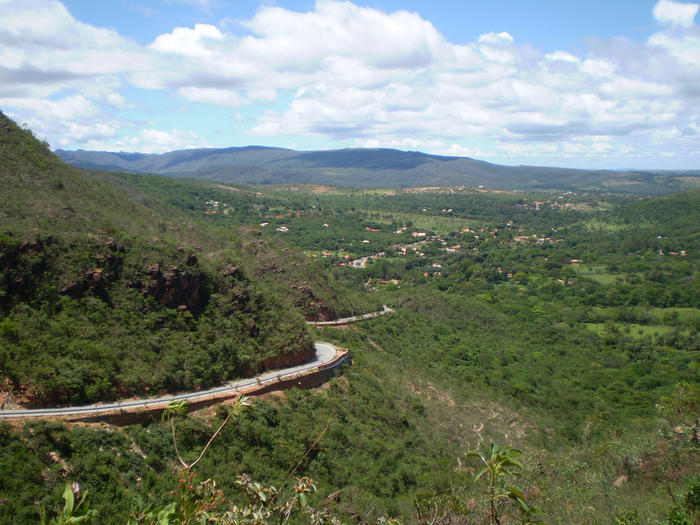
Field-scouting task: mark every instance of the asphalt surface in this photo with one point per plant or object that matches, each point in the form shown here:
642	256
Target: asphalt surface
347	320
325	353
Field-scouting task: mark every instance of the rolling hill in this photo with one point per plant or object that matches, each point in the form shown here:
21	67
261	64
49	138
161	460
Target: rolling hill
385	168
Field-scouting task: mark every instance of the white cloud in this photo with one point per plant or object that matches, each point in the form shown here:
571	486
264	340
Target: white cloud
151	140
676	13
685	50
496	39
357	75
219	97
72	108
189	42
116	100
158	141
563	56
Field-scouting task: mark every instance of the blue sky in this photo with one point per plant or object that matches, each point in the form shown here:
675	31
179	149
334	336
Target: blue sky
583	84
547	24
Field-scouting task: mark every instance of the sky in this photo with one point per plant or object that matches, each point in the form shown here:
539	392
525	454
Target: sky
596	84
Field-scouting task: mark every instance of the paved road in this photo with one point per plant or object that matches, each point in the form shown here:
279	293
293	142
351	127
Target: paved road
347	320
325	353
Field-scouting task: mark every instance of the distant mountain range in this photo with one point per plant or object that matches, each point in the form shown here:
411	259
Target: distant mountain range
375	168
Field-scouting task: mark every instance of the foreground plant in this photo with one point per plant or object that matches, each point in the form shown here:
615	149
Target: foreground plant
498	462
179	408
68	515
201	502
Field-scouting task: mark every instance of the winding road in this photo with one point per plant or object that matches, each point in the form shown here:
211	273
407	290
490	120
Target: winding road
325	354
347	320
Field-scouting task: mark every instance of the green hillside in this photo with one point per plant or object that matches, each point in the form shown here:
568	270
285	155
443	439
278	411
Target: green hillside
107	293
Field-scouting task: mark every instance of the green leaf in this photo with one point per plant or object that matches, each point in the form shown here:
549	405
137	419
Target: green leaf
480	473
70	500
79	519
302	500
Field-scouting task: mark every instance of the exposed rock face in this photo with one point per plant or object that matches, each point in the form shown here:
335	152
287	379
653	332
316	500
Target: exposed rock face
302	355
322	313
231	271
91	281
174	288
314	308
297	357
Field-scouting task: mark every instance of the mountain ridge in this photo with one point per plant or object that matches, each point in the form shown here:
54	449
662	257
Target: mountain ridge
374	168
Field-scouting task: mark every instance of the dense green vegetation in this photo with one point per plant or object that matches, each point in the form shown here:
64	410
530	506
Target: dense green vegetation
107	293
563	325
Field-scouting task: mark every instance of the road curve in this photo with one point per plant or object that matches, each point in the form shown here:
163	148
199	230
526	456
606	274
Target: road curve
347	320
325	353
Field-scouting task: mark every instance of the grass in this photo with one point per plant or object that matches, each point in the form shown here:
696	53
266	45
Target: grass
595	224
685	315
597	273
605	278
441	225
587	270
638	331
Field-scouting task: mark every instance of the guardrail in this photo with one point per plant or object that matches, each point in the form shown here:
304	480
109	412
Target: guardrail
132	411
348	320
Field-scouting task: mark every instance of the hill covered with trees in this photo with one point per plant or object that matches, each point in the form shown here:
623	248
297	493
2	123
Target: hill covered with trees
106	293
375	168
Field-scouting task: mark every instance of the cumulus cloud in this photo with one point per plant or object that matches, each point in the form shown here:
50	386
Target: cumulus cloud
149	140
676	13
361	76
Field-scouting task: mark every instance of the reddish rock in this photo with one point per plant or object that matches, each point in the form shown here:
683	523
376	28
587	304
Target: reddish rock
231	271
302	355
175	288
297	357
90	281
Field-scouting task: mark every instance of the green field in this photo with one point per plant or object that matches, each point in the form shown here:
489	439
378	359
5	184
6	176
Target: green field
597	273
632	329
440	225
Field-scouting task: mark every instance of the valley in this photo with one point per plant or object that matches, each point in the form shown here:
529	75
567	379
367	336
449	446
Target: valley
564	324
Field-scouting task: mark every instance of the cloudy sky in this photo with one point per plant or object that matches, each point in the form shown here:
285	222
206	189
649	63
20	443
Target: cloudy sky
601	83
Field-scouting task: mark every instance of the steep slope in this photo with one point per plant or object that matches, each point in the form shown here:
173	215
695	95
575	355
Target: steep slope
104	296
387	168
